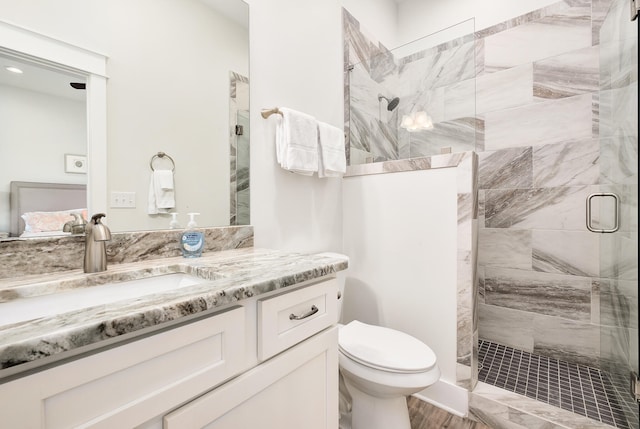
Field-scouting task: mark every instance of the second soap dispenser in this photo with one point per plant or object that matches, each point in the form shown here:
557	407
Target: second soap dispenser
192	240
174	224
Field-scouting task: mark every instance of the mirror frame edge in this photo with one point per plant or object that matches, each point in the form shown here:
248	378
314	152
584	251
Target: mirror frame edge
44	49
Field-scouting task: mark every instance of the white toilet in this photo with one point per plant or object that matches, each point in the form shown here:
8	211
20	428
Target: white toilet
381	367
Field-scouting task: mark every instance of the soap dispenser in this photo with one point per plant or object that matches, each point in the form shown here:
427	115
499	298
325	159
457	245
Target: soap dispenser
192	240
174	224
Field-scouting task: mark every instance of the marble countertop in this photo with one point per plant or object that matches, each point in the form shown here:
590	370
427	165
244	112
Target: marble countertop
229	276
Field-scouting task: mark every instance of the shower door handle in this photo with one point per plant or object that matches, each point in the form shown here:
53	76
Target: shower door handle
616	214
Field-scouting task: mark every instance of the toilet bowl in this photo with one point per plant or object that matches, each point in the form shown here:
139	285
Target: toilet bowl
380	368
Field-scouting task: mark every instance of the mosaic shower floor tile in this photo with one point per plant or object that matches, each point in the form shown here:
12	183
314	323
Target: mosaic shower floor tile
576	388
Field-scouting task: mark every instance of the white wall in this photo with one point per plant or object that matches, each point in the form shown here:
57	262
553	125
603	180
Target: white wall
78	22
36	131
419	18
168	91
400	235
296	62
379	19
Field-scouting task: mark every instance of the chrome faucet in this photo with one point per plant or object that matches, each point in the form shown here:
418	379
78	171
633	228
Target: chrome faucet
95	249
75	226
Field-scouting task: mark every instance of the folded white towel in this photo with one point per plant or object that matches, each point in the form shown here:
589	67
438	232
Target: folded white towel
332	160
164	179
297	142
161	192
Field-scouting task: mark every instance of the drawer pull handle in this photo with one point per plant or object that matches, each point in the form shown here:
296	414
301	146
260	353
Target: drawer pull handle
309	313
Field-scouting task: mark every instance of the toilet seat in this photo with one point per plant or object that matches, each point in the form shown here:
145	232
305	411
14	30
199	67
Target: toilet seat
385	349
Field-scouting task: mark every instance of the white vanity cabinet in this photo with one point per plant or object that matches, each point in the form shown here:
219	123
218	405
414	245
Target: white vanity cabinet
127	385
296	387
269	361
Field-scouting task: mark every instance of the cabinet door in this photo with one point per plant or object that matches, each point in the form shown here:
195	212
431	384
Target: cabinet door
130	384
295	389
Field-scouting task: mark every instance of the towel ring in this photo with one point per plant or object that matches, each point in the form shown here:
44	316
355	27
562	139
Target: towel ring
162	155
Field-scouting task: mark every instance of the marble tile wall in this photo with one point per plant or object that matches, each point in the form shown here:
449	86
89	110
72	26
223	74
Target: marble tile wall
22	257
537	101
550	128
546	147
440	80
467	276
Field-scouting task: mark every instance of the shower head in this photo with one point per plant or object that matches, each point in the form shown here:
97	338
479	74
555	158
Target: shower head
391	104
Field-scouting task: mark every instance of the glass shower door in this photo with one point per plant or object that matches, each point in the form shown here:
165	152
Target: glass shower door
242	169
618	132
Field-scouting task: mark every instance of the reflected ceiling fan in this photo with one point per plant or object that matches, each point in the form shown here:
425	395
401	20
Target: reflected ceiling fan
78	85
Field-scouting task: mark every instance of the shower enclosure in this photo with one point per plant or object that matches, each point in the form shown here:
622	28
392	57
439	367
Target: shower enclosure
548	101
239	149
618	131
429	85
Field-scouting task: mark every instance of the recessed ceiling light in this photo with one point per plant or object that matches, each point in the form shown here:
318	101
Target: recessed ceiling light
13	69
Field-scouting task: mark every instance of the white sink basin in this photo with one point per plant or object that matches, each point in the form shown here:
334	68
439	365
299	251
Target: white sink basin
24	309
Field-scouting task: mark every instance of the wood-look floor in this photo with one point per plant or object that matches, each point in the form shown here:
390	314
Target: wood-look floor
426	416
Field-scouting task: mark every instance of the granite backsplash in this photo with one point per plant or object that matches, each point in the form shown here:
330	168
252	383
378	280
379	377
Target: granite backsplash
20	257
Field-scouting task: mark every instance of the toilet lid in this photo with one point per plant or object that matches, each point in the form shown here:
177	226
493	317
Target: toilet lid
384	348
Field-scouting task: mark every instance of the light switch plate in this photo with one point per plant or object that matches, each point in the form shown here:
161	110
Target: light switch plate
123	200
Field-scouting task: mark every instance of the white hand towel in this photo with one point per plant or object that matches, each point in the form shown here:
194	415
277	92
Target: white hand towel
297	142
332	160
161	199
164	179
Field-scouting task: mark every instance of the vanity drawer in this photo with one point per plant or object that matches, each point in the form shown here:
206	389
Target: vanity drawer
288	318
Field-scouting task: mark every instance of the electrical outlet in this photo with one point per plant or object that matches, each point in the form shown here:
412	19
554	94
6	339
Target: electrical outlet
123	200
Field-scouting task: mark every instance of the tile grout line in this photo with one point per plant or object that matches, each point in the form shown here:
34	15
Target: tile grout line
509	368
518	370
595	397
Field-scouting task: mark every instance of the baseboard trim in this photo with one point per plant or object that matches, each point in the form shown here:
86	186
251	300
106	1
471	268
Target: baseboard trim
451	398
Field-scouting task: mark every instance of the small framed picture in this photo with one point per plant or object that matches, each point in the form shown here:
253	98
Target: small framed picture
75	164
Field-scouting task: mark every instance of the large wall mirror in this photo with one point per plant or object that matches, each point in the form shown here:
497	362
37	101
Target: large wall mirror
176	83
